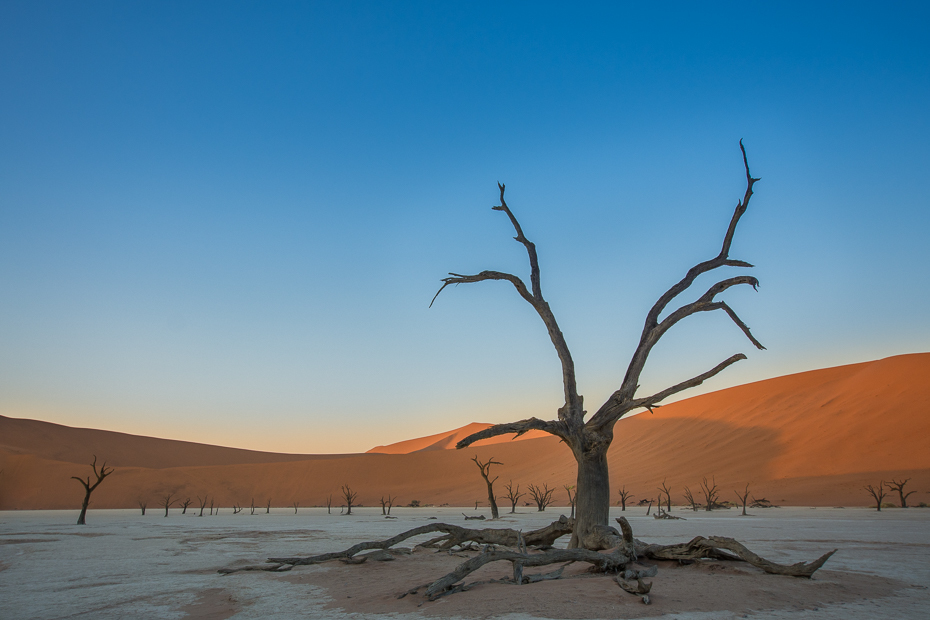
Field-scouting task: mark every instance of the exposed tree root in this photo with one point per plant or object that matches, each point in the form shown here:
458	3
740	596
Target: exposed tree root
509	545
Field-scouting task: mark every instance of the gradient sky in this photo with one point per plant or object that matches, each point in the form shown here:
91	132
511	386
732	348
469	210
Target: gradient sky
224	222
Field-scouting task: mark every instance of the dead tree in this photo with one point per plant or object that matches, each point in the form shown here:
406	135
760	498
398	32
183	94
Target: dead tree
743	498
253	506
761	503
184	505
513	495
296	505
541	495
329	504
268	508
166	503
89	486
709	489
624	496
386	504
142	506
878	493
349	496
589	436
569	488
211	508
689	497
485	473
237	509
203	504
894	485
664	490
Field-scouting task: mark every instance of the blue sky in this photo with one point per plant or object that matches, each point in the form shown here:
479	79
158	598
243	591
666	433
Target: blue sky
224	222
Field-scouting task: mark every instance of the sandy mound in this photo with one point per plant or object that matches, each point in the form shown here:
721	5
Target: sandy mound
812	438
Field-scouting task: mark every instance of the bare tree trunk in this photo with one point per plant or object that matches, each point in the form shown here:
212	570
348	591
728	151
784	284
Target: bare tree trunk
592	500
624	496
485	473
89	487
898	486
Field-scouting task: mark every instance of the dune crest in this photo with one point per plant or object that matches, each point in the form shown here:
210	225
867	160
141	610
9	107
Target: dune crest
812	438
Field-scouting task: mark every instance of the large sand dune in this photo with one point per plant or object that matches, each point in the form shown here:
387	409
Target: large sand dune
814	438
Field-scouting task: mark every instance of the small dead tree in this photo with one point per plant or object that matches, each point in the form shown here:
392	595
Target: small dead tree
329	504
89	486
184	505
761	503
386	504
485	473
203	504
211	508
589	434
664	490
166	503
541	495
894	485
253	506
349	496
689	497
877	493
569	488
709	489
513	495
296	505
142	505
237	509
624	497
268	508
743	498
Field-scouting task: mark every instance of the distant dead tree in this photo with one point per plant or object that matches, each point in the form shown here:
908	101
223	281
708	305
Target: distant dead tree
211	508
253	506
485	473
760	503
184	505
296	505
664	490
349	496
709	489
689	497
268	508
894	485
878	493
89	486
743	498
650	502
166	503
142	506
237	508
386	504
589	434
569	488
329	504
541	495
624	497
513	495
203	504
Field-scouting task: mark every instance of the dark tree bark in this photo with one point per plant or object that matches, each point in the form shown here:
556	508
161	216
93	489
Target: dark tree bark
690	498
878	493
329	504
485	473
664	490
624	496
203	504
211	508
184	505
89	487
349	496
709	489
236	509
166	502
589	439
268	508
513	495
895	485
743	498
541	495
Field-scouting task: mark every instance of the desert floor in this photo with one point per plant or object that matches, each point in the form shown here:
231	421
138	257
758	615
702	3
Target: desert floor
125	565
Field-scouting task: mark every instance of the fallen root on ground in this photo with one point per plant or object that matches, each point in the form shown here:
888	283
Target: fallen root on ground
617	560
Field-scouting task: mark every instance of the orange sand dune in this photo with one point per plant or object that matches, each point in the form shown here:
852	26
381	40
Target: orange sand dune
813	438
447	440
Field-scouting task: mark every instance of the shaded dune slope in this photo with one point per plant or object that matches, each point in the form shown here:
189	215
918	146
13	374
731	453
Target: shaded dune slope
813	438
